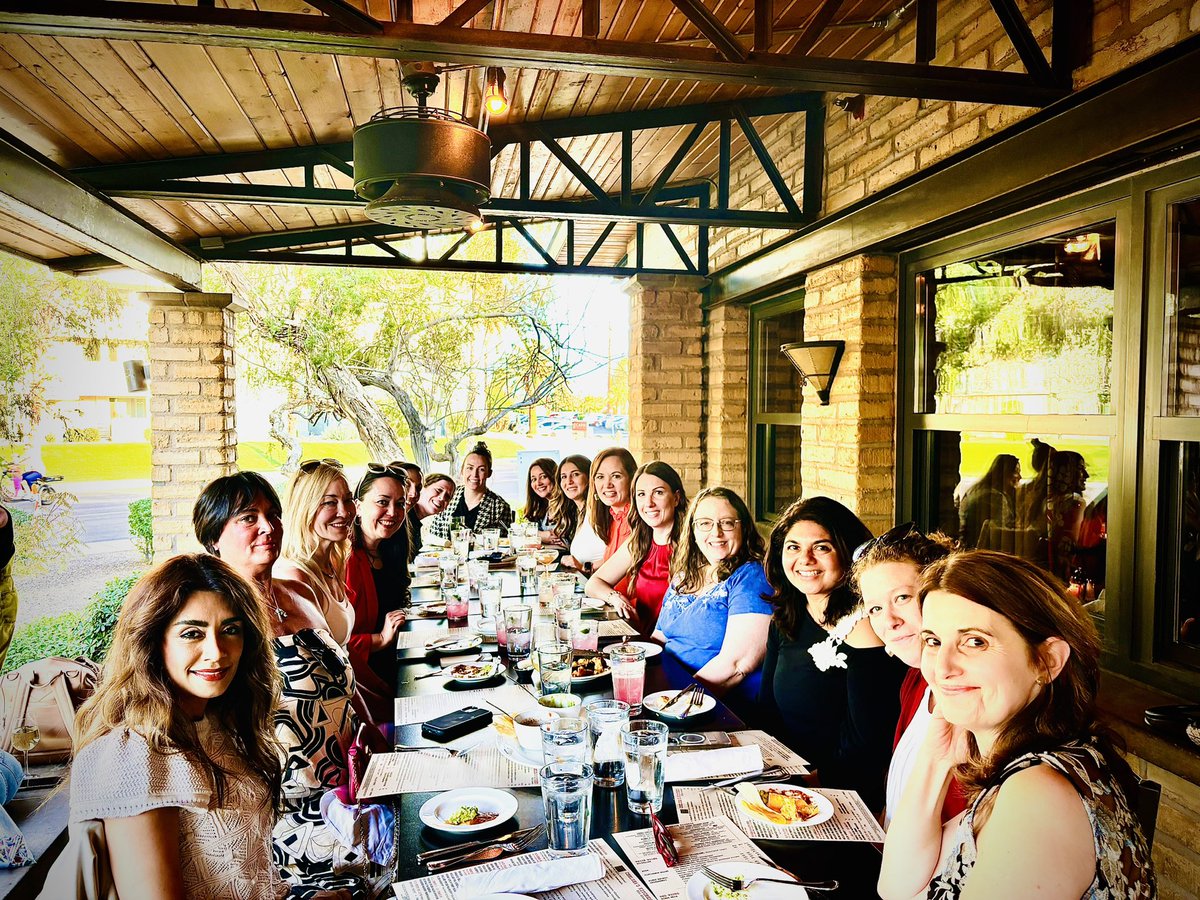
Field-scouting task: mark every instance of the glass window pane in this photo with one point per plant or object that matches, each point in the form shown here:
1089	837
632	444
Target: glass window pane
1024	331
1042	497
777	472
1183	311
1178	605
779	386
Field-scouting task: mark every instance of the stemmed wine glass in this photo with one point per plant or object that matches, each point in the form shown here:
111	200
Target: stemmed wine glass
24	738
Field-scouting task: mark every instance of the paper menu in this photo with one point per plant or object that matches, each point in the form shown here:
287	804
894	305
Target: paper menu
693	765
774	752
619	882
509	697
852	820
698	843
414	772
616	628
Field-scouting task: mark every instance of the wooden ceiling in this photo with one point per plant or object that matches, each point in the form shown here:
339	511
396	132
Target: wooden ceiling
95	101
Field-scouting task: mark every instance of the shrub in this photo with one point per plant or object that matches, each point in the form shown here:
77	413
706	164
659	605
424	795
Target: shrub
47	538
141	527
89	435
100	616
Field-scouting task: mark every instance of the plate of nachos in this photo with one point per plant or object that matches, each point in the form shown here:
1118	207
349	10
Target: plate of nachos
785	805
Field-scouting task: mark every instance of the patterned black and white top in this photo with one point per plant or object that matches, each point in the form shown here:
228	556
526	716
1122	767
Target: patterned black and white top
1123	870
493	512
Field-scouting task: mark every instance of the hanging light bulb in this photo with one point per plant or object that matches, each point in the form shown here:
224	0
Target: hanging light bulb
494	98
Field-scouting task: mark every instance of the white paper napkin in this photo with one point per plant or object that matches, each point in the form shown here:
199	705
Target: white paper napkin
534	877
691	765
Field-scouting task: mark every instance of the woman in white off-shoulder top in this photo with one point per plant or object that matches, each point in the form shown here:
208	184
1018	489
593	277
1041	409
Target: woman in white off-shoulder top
176	749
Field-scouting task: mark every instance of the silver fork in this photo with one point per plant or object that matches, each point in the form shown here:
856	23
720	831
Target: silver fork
740	884
455	752
769	772
487	853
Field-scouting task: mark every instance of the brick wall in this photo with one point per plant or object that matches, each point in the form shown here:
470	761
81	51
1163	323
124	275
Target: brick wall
666	386
727	364
192	438
1175	853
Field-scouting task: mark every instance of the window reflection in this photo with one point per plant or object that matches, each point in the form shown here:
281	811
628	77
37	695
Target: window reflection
1024	331
780	389
1183	311
1184	624
778	448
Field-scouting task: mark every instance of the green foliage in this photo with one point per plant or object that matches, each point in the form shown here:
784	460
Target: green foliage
141	527
89	435
88	632
47	538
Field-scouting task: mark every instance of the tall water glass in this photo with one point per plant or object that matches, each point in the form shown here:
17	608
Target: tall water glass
489	598
645	745
518	628
628	664
568	609
554	667
460	542
566	740
477	570
488	539
605	718
448	566
567	800
527	565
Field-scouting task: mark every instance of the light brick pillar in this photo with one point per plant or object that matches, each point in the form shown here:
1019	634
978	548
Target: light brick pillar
849	446
727	360
193	438
666	389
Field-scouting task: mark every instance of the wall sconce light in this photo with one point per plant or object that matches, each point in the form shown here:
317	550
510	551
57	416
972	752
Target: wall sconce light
817	362
856	106
494	97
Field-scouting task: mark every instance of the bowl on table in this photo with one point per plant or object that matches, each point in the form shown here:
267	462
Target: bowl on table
568	705
528	726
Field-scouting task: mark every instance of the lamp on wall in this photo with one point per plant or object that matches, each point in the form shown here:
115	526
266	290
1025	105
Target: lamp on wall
817	362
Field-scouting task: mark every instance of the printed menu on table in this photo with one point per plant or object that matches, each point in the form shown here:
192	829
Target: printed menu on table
619	882
774	752
610	628
852	820
415	772
698	844
509	697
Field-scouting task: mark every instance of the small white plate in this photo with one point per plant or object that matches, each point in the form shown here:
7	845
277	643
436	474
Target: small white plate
700	888
455	643
651	701
824	804
430	611
510	749
494	666
437	809
652	649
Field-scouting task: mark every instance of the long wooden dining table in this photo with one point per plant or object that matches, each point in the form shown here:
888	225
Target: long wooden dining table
853	864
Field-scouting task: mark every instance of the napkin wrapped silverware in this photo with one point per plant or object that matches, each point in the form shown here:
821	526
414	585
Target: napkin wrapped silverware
533	877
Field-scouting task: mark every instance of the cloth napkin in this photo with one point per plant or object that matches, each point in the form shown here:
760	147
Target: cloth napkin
692	765
373	822
533	877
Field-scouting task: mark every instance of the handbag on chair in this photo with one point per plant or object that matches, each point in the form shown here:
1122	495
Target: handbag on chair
46	693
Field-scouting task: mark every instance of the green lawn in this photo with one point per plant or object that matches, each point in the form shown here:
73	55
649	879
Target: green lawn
979	449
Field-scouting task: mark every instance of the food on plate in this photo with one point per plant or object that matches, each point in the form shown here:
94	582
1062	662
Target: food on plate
779	806
586	666
470	815
725	893
469	670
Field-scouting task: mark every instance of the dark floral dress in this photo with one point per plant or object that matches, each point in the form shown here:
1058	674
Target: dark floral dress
1123	870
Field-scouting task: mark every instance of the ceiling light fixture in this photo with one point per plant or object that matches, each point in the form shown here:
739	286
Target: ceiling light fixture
494	97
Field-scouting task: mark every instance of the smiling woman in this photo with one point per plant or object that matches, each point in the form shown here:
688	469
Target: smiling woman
473	503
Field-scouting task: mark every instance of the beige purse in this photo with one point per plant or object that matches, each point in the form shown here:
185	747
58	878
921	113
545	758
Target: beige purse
46	693
83	870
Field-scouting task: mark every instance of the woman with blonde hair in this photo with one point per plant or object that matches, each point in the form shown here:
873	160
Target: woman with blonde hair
175	752
319	513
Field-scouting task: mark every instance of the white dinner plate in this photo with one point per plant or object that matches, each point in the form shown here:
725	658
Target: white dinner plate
824	804
700	888
652	649
651	702
455	643
494	668
437	809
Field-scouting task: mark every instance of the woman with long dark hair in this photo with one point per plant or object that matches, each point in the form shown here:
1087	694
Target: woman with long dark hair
539	486
175	751
608	502
993	498
635	578
827	680
1014	662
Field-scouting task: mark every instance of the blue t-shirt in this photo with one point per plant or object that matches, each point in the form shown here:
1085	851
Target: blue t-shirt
694	624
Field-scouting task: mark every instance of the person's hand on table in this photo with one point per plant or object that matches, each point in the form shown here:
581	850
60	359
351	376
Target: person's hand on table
621	604
392	623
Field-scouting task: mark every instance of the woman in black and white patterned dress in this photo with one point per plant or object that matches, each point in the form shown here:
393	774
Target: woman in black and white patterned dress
238	518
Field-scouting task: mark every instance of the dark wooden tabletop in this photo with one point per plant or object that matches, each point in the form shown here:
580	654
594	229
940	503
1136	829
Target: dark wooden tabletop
855	865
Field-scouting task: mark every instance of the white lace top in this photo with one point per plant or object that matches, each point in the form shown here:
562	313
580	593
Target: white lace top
224	852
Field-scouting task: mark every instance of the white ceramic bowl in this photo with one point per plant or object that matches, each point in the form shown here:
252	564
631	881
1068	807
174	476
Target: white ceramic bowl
569	705
528	726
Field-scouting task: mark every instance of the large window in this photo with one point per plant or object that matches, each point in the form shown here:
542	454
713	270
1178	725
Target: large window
776	398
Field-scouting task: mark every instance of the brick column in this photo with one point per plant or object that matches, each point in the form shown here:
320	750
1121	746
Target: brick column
727	361
666	389
849	446
193	438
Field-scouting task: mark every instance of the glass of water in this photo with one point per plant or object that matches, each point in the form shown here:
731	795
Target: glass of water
489	597
460	542
554	667
527	566
567	799
645	745
566	740
518	628
568	608
605	718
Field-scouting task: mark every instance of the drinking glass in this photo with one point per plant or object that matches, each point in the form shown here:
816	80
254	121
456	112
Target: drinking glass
628	664
554	667
645	745
477	570
605	718
568	609
448	566
489	597
458	605
488	539
586	636
565	740
518	534
25	738
460	542
518	623
546	559
526	565
567	801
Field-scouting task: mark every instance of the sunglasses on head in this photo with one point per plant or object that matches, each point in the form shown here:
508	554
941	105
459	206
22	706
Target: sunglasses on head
311	465
893	536
395	470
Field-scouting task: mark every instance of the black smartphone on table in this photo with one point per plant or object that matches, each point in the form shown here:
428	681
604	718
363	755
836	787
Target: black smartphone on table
456	724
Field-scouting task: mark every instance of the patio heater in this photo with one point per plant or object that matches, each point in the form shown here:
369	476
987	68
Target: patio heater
422	167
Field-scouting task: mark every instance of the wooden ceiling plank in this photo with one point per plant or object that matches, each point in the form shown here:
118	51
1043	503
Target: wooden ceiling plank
360	79
464	13
815	27
345	14
146	70
16	118
270	66
246	85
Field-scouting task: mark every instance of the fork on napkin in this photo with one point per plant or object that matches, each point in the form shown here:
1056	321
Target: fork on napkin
533	877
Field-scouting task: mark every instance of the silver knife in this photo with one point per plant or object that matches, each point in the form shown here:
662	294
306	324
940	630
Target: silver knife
472	845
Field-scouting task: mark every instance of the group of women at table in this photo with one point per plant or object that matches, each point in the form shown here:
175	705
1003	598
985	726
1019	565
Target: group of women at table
954	690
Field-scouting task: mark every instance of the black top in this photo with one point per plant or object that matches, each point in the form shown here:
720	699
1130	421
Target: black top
841	720
8	547
392	581
467	515
414	533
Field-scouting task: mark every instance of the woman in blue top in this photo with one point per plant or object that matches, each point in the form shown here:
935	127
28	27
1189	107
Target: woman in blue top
715	616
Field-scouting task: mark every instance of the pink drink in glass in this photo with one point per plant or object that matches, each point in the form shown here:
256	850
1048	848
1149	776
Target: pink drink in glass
628	684
457	606
586	636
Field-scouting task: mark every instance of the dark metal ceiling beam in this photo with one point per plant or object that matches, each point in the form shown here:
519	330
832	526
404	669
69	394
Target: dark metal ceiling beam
590	19
764	24
464	13
926	30
1023	40
399	40
350	16
712	28
34	190
815	26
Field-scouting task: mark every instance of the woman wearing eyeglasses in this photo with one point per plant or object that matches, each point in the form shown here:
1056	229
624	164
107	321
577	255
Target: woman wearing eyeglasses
319	515
715	615
478	507
634	579
826	678
378	585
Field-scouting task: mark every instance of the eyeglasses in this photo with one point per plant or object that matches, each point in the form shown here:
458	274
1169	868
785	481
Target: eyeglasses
706	525
894	536
311	465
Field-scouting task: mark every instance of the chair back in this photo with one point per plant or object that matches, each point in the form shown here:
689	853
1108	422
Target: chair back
1148	795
